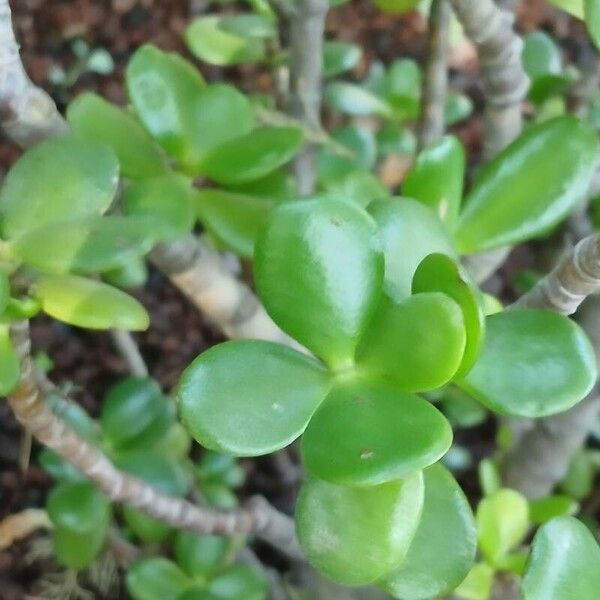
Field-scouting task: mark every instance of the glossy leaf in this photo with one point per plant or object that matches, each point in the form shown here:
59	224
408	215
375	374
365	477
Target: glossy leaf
440	273
532	363
168	198
339	57
550	507
235	219
249	25
133	273
592	19
359	187
201	554
252	156
351	99
249	397
478	583
318	269
573	7
402	89
564	563
530	186
90	304
187	117
356	535
209	40
10	368
156	578
436	178
88	245
95	119
240	582
62	178
410	231
396	6
502	523
443	550
418	344
80	515
370	433
458	107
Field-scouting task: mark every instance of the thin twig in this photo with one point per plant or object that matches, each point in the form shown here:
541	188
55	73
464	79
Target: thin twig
130	352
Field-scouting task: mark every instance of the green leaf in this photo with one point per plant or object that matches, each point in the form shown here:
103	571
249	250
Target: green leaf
235	219
156	578
318	269
478	583
90	304
592	19
574	7
533	363
396	6
443	549
440	273
252	156
550	507
339	57
201	554
210	41
436	178
249	26
359	187
410	231
530	186
56	180
417	344
489	477
370	433
168	198
356	535
10	368
502	523
402	89
458	107
354	100
133	273
579	479
460	409
186	117
249	397
80	515
240	582
95	119
88	245
564	563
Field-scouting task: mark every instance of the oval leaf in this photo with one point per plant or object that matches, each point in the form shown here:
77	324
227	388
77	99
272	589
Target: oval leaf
249	397
339	57
443	550
91	304
354	100
530	186
417	344
156	578
318	269
533	363
58	179
368	434
358	535
592	19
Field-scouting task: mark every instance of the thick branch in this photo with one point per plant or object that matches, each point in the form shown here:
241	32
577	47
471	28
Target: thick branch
504	80
307	27
258	517
435	84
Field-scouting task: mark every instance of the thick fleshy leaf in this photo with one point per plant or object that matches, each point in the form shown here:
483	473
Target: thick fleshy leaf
530	186
210	41
202	554
550	507
63	178
356	535
417	344
133	273
169	198
502	523
532	363
351	99
249	397
10	368
156	578
339	57
440	273
89	245
80	515
443	550
252	156
458	107
478	583
573	7
95	119
235	219
240	582
249	25
437	177
592	19
318	269
187	117
396	6
370	433
90	304
410	231
564	563
402	88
